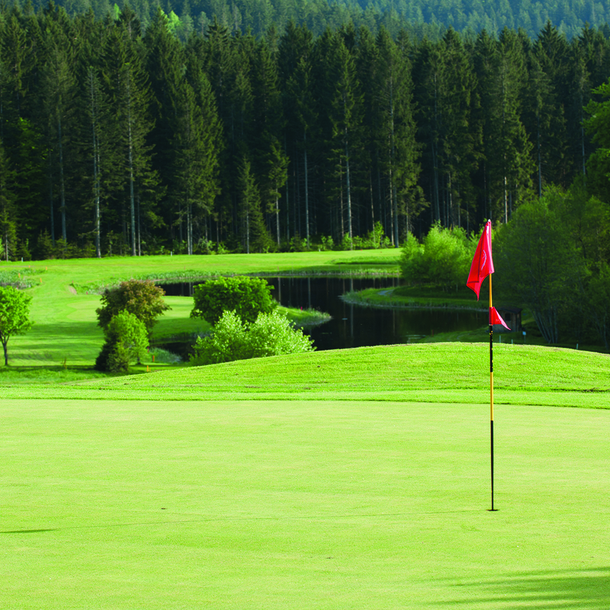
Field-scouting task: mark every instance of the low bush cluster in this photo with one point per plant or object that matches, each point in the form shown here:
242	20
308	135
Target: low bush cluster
233	339
442	259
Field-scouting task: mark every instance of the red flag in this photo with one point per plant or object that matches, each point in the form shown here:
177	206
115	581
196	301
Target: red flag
482	263
496	318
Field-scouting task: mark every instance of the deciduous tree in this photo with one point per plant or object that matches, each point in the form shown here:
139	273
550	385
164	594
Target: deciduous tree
140	297
14	315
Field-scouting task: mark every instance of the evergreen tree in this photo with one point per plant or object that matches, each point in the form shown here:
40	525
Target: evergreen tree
268	122
59	94
429	77
135	182
547	95
253	233
459	140
8	216
297	85
95	144
398	149
208	144
165	67
341	100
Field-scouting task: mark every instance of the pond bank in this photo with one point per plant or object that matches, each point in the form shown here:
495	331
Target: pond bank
389	299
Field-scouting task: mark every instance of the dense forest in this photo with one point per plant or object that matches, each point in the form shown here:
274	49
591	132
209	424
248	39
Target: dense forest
115	138
419	17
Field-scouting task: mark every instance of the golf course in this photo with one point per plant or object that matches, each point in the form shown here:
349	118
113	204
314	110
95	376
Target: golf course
342	479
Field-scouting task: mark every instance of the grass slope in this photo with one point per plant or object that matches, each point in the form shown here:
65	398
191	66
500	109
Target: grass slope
441	372
320	505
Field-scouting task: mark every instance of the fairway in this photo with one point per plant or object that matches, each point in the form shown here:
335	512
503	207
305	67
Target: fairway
301	504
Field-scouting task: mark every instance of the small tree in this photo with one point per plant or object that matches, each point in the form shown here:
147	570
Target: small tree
14	315
139	297
246	296
126	341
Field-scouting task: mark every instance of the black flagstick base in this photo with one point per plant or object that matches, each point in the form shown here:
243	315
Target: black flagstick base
491	396
492	509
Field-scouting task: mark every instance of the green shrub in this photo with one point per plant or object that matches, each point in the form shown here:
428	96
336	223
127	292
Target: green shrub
411	259
247	296
443	259
270	335
326	243
374	240
126	341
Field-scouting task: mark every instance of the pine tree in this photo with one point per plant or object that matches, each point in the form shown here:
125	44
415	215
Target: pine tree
135	182
505	163
395	127
209	143
297	86
253	233
8	216
268	121
59	92
165	67
340	99
429	77
546	115
96	144
459	140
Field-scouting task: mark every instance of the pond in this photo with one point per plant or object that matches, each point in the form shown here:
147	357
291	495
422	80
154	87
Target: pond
351	325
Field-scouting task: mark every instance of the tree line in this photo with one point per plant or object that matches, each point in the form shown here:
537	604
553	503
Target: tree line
119	139
421	17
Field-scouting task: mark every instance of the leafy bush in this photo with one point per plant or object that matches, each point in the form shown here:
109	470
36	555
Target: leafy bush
374	240
326	243
142	298
297	244
442	259
270	335
247	296
126	341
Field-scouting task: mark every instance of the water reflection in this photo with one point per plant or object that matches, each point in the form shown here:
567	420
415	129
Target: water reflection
355	326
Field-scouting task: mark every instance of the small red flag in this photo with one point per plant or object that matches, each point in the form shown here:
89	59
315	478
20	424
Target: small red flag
482	263
496	318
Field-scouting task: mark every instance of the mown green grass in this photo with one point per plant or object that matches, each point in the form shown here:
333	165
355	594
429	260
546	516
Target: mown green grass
353	479
348	479
301	504
440	372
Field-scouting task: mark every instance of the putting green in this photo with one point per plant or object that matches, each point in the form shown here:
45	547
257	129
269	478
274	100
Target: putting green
301	504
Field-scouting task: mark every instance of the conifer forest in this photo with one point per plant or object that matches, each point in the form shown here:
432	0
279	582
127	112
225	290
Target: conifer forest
129	133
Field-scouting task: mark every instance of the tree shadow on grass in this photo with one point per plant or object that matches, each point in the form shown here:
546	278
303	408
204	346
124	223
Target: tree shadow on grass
584	589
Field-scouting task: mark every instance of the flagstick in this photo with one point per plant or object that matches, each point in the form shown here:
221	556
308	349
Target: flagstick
491	391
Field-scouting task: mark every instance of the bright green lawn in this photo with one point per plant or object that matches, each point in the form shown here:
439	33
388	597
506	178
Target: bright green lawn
356	479
318	505
440	372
